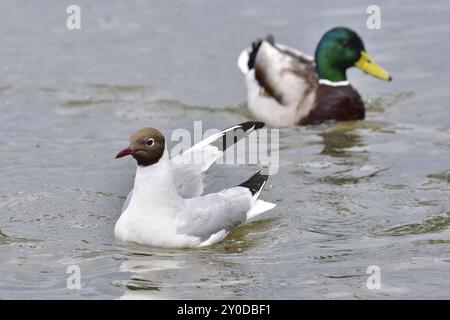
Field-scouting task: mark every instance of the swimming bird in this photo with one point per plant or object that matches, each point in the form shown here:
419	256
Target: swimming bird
166	207
286	87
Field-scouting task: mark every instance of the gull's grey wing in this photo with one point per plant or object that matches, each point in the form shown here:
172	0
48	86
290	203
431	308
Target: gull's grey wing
188	180
205	216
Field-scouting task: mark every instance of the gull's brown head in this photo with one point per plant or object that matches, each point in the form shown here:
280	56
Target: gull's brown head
146	146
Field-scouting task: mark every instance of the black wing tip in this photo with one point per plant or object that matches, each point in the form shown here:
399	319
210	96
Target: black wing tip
259	124
256	182
233	134
251	125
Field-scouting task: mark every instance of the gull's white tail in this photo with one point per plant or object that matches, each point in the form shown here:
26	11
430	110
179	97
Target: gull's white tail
255	184
259	207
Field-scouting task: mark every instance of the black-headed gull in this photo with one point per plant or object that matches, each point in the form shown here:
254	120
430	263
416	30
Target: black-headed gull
166	208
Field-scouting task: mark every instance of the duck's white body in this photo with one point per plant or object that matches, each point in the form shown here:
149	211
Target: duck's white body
280	84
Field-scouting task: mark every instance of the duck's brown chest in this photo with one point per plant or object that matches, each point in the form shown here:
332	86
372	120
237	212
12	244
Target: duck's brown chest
340	103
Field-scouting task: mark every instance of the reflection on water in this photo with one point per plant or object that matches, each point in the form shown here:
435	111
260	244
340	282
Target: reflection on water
151	268
336	143
245	237
379	103
444	175
433	224
146	280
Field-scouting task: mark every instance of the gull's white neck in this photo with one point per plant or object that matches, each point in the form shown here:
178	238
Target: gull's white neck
154	192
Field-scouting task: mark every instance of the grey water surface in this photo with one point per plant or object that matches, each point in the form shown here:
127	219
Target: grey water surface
348	195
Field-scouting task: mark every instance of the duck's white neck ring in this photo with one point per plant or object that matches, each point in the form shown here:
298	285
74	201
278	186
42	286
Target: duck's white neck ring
334	84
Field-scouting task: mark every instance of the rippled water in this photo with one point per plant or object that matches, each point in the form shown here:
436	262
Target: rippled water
349	195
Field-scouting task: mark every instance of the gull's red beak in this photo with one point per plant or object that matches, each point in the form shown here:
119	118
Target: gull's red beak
124	153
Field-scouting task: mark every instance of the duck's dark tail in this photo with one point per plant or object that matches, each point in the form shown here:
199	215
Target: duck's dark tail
255	47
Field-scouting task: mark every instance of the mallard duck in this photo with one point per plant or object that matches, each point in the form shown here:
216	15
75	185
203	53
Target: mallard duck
286	87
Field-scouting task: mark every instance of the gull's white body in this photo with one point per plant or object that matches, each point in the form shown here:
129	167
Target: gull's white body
151	215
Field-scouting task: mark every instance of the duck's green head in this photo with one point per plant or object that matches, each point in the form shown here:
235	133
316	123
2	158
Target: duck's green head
341	48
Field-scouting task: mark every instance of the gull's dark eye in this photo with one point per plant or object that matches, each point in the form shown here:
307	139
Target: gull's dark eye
150	142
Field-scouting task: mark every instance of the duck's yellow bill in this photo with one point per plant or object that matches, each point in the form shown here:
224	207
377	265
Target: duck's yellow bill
368	65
